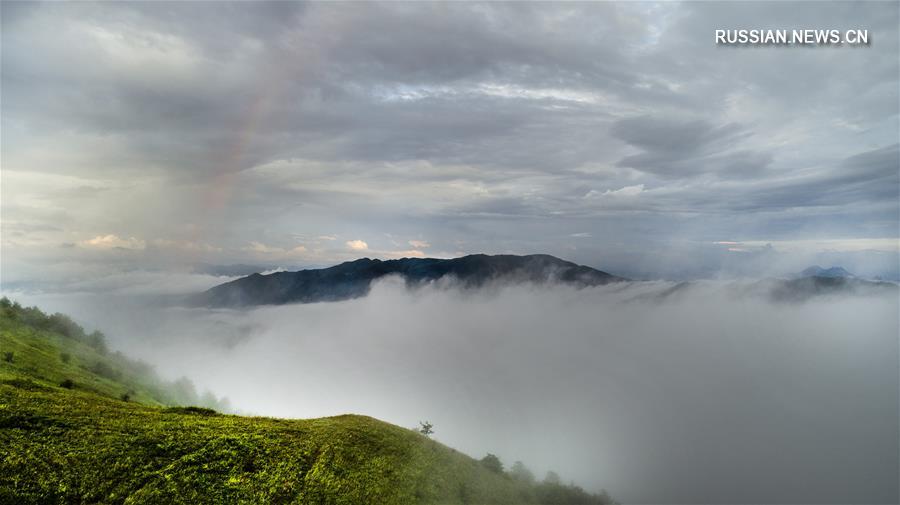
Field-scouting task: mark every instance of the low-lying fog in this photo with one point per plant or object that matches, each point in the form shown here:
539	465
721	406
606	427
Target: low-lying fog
704	396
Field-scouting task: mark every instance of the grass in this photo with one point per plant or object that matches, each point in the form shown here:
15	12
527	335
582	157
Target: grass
85	444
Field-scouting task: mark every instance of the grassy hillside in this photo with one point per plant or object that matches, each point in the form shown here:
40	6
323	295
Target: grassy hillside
53	349
69	435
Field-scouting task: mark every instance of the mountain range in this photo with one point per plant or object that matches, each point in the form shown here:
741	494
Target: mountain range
833	272
353	279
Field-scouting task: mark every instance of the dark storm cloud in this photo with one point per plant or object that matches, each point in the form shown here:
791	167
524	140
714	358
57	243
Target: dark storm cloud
677	138
872	176
318	75
677	148
402	117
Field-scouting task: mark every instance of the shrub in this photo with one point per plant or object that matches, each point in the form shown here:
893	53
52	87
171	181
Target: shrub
8	308
8	357
125	397
65	357
104	369
521	473
492	463
63	324
199	411
97	340
68	384
552	478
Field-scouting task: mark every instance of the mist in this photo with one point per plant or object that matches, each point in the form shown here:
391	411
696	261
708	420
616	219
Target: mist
711	393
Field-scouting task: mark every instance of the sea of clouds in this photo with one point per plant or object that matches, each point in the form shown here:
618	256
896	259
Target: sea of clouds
711	392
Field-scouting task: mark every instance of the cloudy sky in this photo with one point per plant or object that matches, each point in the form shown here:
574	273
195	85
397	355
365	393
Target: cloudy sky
164	135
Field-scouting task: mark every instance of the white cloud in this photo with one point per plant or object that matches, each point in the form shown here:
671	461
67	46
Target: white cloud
624	191
838	245
357	245
541	94
419	244
185	245
114	242
412	253
260	248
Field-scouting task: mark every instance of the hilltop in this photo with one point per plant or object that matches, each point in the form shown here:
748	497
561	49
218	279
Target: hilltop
353	279
80	424
833	272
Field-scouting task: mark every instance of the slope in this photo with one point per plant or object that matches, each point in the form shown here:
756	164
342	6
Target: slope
69	436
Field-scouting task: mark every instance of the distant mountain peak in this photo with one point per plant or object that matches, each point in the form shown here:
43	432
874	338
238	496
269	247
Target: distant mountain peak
353	279
833	272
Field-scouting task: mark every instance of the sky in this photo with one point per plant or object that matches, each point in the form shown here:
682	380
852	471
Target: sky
163	136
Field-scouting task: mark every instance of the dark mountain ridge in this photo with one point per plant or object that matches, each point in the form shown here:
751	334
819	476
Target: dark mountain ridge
833	272
804	288
353	279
